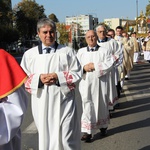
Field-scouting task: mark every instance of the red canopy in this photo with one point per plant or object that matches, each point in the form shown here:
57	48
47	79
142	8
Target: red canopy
12	75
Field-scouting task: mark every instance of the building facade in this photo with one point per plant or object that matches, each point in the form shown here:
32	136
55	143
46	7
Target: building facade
140	25
77	26
113	22
85	22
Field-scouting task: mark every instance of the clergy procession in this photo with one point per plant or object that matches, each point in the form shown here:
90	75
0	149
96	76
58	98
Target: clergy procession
52	73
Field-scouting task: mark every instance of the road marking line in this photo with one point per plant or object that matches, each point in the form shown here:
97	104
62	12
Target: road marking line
31	129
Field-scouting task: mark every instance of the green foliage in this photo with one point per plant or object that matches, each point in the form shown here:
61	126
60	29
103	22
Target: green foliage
7	33
147	10
20	23
64	36
5	12
53	17
26	15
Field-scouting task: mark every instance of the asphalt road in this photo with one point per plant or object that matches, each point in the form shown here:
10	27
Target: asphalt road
129	127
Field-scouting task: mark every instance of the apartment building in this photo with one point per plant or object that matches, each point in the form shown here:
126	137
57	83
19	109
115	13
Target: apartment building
85	22
113	22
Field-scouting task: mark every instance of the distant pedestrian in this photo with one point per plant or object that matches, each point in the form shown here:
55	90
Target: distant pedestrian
146	48
136	44
128	54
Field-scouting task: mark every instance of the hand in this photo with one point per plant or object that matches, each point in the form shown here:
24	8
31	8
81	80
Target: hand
49	78
89	67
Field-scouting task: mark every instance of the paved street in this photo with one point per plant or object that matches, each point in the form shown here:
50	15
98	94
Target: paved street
129	127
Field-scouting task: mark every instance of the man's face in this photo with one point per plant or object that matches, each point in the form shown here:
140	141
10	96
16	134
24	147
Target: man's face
118	32
101	33
91	38
47	35
133	35
124	35
111	34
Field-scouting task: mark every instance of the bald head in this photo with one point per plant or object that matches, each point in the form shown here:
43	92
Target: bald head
91	38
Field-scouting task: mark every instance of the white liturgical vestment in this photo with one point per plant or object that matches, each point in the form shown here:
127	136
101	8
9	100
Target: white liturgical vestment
53	107
93	88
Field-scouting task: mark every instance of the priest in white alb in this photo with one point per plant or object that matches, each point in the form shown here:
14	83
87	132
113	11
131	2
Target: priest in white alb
53	71
96	62
113	76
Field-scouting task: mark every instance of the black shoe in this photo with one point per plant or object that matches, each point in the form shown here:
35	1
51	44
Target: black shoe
103	131
117	106
126	78
119	85
86	137
121	90
110	115
118	91
148	61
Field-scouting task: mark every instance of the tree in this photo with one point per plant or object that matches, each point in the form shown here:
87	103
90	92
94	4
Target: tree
148	10
26	15
5	12
8	34
53	17
61	28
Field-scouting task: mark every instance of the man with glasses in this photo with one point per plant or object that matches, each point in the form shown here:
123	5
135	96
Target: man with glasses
114	48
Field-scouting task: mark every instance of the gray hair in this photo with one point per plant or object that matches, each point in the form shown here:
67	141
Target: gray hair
45	21
100	26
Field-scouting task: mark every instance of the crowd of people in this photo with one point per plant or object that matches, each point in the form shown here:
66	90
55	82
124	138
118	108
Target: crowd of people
51	72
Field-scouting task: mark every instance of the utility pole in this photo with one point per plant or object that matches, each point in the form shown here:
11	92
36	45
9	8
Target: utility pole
136	8
136	15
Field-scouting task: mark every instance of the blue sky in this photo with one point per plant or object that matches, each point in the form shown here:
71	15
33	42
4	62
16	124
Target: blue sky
98	8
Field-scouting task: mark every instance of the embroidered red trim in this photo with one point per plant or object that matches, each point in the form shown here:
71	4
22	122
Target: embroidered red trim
69	80
28	83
